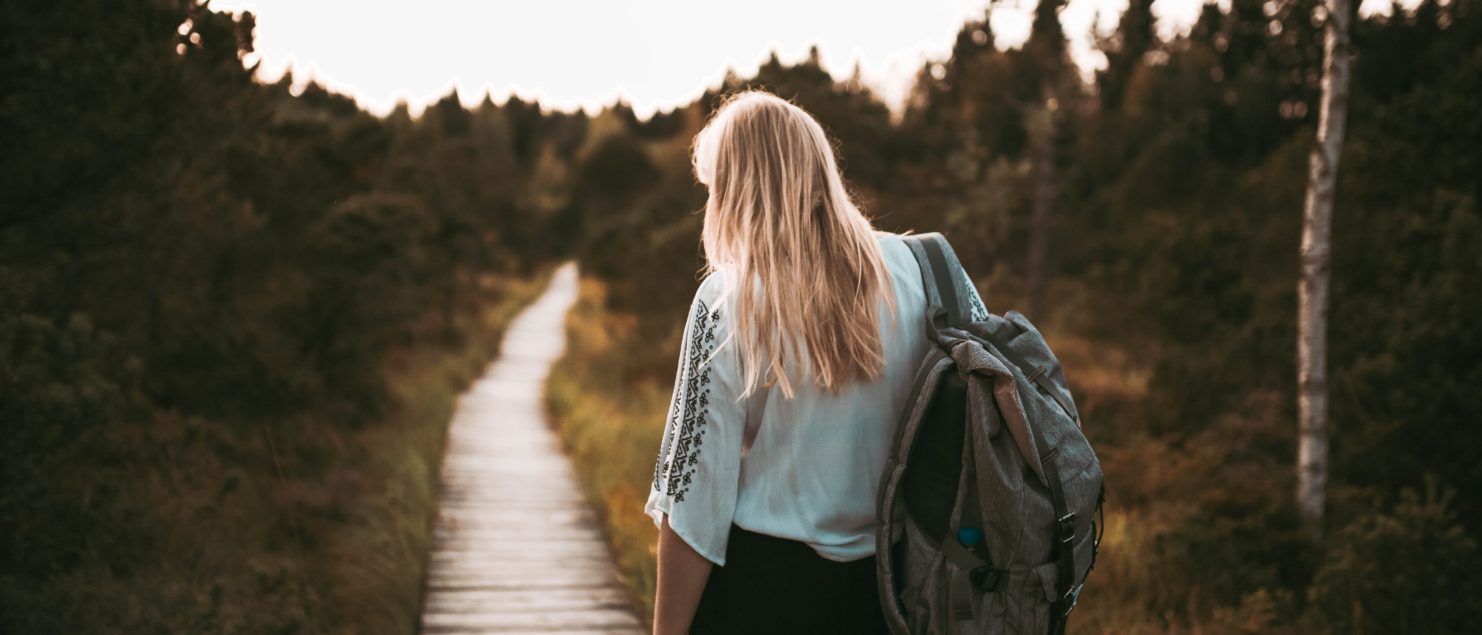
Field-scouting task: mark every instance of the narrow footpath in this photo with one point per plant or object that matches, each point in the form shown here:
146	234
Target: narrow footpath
516	548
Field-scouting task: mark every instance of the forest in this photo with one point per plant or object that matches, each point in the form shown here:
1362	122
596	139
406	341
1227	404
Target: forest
235	315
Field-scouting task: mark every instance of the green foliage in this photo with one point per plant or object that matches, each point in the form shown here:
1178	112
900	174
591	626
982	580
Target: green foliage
372	255
62	385
1405	353
1409	569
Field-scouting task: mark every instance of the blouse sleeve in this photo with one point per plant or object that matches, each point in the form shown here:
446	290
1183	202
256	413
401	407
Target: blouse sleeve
698	468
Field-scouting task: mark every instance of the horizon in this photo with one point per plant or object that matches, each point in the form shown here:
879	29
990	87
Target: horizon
440	47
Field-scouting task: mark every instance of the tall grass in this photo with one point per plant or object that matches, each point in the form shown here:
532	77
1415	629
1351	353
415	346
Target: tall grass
376	560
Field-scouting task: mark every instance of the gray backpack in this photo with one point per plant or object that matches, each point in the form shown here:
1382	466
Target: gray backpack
986	509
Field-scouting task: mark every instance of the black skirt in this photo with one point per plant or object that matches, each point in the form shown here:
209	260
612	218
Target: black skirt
773	585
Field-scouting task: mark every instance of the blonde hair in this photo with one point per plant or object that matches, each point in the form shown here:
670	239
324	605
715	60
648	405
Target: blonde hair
779	215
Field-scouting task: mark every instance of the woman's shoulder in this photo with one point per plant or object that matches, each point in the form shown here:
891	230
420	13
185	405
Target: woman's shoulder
713	287
890	238
709	298
897	254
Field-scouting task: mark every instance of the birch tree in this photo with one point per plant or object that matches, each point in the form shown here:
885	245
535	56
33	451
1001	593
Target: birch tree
1316	258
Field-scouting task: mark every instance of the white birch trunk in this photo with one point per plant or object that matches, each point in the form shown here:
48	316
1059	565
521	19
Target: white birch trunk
1316	259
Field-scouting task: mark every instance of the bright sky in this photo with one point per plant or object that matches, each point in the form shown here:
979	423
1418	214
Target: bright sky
657	54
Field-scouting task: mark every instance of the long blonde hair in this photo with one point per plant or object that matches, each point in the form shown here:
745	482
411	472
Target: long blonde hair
780	215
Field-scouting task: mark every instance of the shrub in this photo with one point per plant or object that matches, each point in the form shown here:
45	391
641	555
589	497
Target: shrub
1412	569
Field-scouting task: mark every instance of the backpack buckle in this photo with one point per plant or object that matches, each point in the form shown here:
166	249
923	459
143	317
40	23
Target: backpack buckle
1067	528
1067	602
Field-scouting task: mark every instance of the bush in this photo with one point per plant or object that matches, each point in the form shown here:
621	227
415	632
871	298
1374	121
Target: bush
1409	570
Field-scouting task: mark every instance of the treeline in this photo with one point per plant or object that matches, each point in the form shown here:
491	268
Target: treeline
233	320
1150	219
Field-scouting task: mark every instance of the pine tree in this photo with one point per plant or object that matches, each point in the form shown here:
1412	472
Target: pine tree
1047	62
1124	51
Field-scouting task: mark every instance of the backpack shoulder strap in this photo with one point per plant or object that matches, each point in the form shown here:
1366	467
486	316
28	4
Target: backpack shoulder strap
939	275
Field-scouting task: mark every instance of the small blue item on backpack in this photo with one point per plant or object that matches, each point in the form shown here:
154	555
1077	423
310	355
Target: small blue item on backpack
969	536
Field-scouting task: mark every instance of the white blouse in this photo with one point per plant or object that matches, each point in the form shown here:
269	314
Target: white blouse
805	468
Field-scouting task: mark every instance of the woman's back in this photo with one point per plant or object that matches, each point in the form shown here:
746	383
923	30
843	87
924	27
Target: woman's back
804	468
810	475
777	484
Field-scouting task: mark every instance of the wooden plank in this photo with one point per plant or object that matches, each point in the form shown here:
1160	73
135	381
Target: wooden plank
474	531
523	599
462	552
557	621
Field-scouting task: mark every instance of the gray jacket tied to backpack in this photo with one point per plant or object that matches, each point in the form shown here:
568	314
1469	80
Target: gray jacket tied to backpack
986	509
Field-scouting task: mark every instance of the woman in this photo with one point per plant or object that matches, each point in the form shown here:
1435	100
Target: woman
764	488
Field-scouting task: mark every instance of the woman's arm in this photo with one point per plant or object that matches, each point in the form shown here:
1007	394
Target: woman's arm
682	575
696	486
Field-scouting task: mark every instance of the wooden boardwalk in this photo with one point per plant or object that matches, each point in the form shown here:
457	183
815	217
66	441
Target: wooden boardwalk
517	549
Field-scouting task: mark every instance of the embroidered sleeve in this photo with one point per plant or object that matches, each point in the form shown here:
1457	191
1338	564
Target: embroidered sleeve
977	311
698	467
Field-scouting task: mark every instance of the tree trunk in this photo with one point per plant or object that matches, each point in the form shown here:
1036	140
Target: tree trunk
1042	127
1316	258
